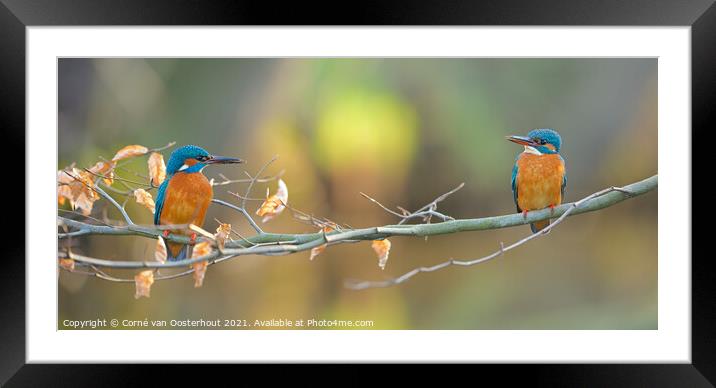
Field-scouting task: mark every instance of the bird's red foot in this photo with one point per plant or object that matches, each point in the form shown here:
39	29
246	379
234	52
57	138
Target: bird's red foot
551	208
192	239
524	214
165	233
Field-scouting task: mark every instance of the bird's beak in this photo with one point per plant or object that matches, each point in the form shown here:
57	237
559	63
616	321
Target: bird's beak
223	160
524	140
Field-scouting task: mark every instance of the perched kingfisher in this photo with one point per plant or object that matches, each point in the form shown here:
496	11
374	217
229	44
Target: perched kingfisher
539	176
185	194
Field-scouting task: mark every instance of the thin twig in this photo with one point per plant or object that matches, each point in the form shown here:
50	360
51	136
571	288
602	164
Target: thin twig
227	181
426	212
243	211
253	181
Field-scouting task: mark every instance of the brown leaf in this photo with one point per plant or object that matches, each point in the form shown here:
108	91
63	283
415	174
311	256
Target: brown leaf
109	178
144	198
160	252
199	273
222	233
64	191
76	185
157	168
84	195
275	204
319	249
201	249
382	249
105	170
67	264
130	151
143	283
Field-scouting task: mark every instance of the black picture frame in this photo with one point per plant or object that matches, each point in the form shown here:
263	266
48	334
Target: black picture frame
15	15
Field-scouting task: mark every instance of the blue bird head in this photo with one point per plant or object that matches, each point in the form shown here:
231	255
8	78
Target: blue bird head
191	158
543	140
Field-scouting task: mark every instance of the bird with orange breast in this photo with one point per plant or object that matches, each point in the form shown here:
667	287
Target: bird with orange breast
185	195
539	176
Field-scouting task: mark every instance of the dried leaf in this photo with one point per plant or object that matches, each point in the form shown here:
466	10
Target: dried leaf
157	168
67	264
130	151
199	273
201	249
109	178
275	204
84	195
64	191
382	249
143	283
160	252
319	249
222	233
76	186
144	198
104	169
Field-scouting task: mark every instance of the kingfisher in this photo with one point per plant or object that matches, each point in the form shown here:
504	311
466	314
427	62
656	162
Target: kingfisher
539	175
185	195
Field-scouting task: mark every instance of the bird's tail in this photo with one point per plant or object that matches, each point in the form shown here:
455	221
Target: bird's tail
176	251
537	226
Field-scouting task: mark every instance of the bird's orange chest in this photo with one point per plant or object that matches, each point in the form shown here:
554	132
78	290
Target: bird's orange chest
539	180
187	199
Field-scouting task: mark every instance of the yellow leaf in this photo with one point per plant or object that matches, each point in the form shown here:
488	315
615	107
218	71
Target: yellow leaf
130	151
160	252
382	249
143	283
222	233
144	198
157	168
67	264
275	204
199	273
319	249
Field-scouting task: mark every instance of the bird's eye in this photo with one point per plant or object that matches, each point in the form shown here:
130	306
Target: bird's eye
543	141
201	158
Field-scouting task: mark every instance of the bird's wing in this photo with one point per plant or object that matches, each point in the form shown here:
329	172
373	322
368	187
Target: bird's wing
564	177
159	203
514	186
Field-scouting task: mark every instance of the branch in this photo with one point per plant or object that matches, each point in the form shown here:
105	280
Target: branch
281	244
361	285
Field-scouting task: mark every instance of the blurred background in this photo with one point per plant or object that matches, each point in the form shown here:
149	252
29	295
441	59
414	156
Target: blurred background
403	131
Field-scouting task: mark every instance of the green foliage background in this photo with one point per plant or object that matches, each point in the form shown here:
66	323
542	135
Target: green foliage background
404	131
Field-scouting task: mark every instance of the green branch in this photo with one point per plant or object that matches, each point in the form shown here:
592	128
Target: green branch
279	244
